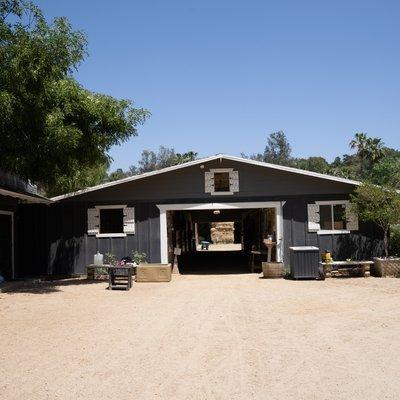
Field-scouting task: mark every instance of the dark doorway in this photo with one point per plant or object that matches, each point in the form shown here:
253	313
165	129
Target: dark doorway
220	241
6	246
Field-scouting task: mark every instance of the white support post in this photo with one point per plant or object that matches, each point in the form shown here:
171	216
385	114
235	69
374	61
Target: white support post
163	237
279	232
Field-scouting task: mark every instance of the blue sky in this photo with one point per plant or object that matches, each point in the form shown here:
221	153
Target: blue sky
219	76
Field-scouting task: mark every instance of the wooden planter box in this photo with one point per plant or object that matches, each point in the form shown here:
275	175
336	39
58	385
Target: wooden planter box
387	267
272	269
153	273
97	272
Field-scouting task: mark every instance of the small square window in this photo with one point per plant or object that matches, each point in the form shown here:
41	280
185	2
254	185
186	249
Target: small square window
222	182
339	217
332	217
325	217
112	220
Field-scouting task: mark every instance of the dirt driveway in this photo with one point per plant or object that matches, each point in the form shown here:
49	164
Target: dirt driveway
203	337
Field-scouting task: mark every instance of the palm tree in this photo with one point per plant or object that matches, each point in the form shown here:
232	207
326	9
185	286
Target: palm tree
359	142
369	150
375	149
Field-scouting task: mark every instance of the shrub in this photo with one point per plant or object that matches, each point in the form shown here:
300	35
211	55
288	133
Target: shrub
139	257
394	242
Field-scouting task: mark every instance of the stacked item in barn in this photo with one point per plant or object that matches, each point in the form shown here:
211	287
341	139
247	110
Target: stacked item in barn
222	232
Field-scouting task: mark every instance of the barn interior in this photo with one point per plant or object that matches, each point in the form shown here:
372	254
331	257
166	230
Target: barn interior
221	241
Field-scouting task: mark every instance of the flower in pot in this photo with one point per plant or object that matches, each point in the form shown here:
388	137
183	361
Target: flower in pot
138	257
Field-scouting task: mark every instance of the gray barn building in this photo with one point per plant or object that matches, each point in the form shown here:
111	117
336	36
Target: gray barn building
14	192
161	210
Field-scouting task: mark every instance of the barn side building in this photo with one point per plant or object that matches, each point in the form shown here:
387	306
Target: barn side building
15	193
159	211
162	210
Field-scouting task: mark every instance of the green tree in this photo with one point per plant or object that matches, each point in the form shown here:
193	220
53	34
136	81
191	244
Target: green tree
89	176
369	151
148	162
153	161
117	174
315	164
386	172
182	158
278	150
165	157
380	205
347	166
359	143
52	130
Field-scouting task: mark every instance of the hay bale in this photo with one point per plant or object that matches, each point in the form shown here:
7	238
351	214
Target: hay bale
222	232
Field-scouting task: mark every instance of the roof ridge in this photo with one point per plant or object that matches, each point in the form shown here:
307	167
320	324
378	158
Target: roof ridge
203	160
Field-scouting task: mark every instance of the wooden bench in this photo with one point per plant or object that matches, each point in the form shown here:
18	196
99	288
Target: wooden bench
120	277
335	267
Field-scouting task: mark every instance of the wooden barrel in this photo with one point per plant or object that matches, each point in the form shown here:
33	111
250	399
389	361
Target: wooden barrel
387	267
272	269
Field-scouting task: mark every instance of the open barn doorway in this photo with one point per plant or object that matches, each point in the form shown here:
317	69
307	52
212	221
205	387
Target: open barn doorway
220	239
7	244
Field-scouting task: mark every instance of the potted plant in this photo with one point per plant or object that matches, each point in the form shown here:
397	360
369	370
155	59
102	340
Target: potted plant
138	257
380	205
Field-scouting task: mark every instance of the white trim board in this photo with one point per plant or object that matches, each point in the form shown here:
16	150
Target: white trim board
220	206
205	160
25	197
333	203
11	213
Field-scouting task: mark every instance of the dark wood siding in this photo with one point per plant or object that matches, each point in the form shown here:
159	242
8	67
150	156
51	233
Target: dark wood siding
188	183
55	239
364	244
11	204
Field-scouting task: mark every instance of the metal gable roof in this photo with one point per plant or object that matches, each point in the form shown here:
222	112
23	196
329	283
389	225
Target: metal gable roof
204	160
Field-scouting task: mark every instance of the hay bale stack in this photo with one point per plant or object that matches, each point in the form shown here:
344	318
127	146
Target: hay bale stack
222	232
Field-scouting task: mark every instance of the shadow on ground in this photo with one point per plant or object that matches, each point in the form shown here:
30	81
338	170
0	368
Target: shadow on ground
214	263
43	287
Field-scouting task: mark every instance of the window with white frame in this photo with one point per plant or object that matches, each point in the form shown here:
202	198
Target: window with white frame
326	217
111	220
221	181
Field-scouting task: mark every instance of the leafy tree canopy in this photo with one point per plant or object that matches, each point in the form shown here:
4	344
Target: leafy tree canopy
371	161
315	164
386	172
153	161
52	130
278	150
377	204
369	151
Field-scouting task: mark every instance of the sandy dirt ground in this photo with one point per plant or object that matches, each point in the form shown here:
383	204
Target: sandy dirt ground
203	337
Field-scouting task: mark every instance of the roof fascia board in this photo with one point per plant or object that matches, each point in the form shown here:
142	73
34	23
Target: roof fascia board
26	197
